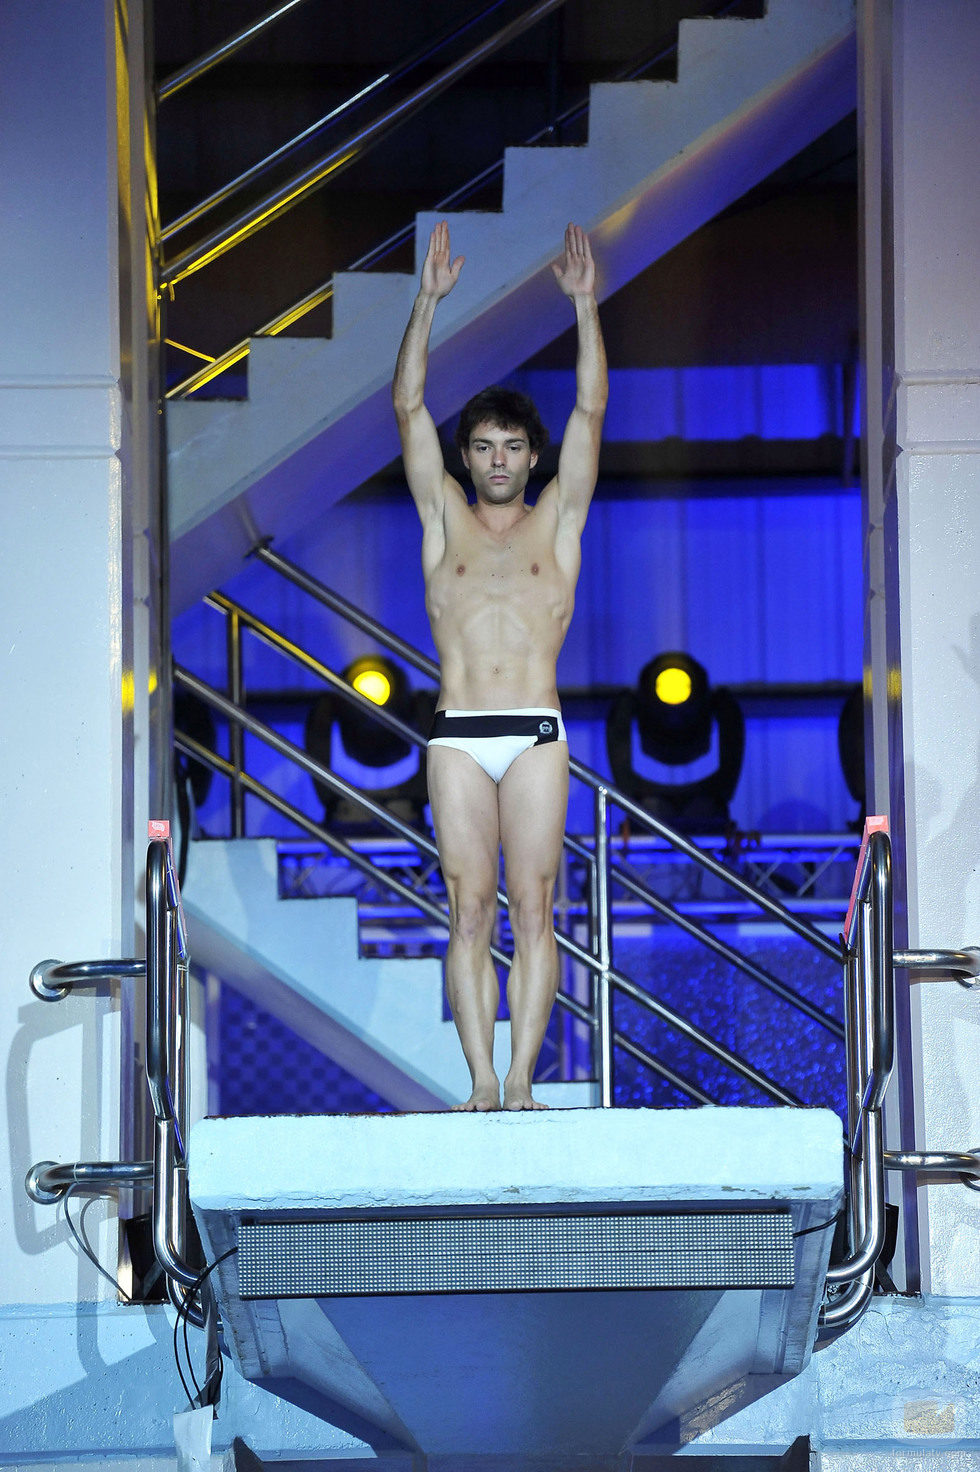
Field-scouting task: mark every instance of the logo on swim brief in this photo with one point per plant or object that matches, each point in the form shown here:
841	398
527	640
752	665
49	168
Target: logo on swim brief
545	728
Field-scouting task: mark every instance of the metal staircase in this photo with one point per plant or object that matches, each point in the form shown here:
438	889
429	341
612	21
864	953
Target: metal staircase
383	1018
661	159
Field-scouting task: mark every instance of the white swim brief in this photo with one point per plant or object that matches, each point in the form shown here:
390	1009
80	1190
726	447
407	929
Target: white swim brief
496	738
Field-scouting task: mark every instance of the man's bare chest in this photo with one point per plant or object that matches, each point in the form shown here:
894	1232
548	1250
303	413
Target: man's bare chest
524	555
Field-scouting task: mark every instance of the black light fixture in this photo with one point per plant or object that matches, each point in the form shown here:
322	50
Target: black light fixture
364	751
192	778
192	717
850	746
679	720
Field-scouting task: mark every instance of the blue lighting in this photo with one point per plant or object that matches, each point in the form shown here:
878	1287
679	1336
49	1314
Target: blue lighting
777	401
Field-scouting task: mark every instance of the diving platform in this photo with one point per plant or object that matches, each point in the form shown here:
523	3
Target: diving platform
521	1286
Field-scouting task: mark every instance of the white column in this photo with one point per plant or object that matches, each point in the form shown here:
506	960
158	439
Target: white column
76	539
922	256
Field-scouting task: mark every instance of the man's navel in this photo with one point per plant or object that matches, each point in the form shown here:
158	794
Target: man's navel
534	569
460	569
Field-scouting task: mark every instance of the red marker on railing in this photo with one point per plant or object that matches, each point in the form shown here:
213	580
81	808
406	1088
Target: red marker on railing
159	829
877	824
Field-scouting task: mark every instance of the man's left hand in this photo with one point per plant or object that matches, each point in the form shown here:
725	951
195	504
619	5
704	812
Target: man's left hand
575	269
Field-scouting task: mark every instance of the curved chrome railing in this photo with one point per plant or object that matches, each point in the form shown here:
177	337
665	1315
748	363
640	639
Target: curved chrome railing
963	966
870	964
165	969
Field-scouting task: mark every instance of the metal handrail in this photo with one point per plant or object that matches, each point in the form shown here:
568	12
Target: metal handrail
592	962
870	963
250	175
963	966
221	52
47	1181
240	617
869	997
843	1312
51	980
165	969
963	1164
597	961
302	184
322	294
386	80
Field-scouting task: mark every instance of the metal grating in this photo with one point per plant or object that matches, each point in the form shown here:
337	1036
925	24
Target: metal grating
311	1259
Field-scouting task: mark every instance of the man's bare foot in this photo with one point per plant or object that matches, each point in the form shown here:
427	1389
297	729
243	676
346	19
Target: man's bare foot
518	1096
484	1099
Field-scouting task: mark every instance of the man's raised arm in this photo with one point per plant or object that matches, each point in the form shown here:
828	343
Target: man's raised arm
421	450
578	460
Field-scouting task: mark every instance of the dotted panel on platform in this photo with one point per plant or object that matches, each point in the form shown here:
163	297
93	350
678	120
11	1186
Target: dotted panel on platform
517	1254
735	1010
263	1067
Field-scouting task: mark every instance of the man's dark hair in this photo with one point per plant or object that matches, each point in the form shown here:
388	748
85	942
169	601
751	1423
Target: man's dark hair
504	408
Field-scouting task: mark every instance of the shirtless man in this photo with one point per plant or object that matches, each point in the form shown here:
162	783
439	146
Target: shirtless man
500	583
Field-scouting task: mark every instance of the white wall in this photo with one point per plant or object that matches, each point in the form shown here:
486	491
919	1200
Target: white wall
922	118
74	519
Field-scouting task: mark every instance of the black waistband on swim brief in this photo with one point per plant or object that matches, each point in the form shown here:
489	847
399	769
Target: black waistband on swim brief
542	727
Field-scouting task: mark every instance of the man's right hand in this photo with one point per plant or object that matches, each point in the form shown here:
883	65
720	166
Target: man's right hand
439	272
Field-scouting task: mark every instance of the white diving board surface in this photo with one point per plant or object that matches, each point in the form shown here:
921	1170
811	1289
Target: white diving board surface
519	1285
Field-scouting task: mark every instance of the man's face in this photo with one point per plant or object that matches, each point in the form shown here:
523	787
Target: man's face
499	461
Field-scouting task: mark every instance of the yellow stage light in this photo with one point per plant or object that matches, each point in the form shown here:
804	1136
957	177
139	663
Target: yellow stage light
673	686
374	684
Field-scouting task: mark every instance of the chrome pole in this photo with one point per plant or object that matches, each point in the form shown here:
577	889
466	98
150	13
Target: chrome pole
603	951
47	1181
933	965
846	1310
868	1187
236	692
881	1000
168	1205
165	1066
158	954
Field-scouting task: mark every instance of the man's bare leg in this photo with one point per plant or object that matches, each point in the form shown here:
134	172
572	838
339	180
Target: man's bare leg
464	812
533	798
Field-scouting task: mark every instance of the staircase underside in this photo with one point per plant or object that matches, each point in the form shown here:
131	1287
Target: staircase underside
519	1286
662	159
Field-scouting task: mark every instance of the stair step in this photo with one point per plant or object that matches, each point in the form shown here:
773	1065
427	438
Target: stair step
359	296
662	158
